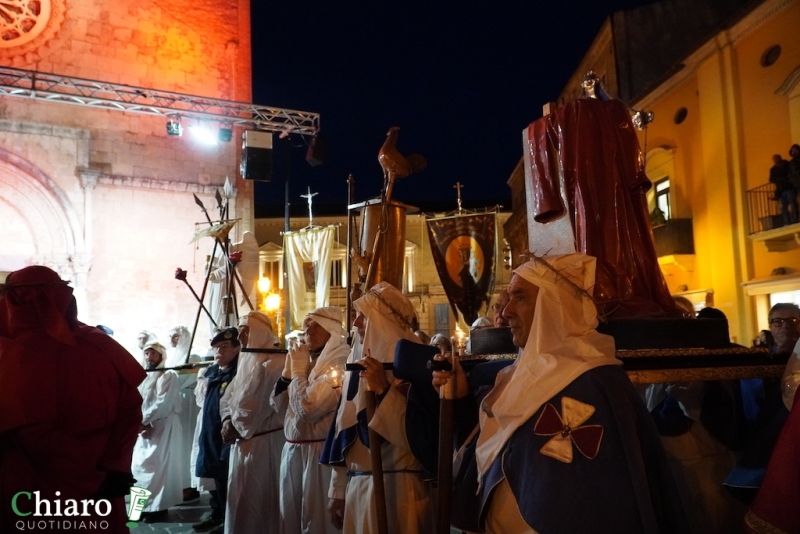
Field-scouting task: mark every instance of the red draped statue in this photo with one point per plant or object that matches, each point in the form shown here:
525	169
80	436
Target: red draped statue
585	185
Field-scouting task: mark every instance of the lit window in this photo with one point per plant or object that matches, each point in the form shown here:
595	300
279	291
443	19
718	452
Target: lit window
791	297
272	270
662	197
441	314
337	273
409	271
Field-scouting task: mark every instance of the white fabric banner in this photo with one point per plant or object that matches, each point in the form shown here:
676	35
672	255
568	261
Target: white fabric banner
308	261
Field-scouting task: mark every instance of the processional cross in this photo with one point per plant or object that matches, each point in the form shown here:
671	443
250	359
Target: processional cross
458	187
309	196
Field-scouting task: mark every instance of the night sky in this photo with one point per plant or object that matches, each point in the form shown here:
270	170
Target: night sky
461	80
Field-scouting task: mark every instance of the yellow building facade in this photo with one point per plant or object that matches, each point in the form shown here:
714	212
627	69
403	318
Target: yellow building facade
735	119
720	115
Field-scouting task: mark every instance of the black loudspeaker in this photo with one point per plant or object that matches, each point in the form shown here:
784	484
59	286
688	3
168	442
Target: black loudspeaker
317	151
256	156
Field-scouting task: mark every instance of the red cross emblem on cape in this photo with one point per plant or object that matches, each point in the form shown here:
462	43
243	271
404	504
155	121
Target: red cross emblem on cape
566	429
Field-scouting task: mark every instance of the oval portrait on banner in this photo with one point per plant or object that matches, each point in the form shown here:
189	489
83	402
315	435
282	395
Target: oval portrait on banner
464	257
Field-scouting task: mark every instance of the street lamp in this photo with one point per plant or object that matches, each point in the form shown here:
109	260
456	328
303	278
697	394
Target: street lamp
273	302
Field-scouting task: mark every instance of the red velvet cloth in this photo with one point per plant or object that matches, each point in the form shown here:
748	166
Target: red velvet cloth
590	147
70	408
777	504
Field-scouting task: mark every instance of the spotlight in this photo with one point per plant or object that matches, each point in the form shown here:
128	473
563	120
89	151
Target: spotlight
225	133
202	133
174	126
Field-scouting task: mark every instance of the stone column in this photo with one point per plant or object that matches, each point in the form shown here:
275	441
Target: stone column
82	262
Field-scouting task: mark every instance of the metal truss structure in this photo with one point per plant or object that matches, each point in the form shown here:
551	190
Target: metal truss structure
78	91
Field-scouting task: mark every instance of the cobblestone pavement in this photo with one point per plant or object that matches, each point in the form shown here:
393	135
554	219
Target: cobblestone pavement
181	519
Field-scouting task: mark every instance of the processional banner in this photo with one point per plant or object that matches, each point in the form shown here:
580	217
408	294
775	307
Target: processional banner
463	248
308	262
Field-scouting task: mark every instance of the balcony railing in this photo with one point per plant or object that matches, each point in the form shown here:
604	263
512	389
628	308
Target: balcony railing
674	237
764	212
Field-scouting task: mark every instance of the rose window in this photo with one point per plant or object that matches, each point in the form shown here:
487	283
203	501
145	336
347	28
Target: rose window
21	21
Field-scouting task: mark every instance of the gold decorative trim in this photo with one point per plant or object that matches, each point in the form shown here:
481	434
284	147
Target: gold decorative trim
661	353
761	526
660	376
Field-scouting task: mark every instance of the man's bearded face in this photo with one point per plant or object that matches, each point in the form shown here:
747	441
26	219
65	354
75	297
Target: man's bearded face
153	358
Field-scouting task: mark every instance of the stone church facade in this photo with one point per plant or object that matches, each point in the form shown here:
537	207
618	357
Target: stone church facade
104	195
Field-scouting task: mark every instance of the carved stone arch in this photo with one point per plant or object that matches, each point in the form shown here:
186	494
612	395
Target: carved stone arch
34	202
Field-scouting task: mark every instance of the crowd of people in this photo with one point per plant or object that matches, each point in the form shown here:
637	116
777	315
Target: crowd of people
785	174
287	442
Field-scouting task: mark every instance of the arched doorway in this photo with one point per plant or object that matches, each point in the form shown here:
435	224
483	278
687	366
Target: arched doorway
39	223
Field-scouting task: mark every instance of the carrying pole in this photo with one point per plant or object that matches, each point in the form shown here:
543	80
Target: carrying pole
378	488
349	261
445	464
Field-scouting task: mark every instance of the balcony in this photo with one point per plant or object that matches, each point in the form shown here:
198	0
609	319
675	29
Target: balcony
674	237
765	222
675	244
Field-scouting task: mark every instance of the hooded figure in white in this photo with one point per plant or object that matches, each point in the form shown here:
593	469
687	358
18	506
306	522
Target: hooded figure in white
308	393
568	372
180	338
157	455
255	430
385	317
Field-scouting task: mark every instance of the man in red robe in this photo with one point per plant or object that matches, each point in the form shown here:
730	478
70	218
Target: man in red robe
70	411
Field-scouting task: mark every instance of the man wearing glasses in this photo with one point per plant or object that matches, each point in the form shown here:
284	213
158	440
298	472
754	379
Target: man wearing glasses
764	407
784	323
497	309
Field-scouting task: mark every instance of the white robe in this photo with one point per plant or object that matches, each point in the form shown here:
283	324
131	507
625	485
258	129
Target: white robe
408	505
157	455
217	295
253	491
189	408
310	405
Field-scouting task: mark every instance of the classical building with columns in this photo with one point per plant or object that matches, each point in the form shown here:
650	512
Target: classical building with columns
91	184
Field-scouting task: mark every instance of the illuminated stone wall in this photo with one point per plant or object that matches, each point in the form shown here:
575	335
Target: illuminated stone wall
105	197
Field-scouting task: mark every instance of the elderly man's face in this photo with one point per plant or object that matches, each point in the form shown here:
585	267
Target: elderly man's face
174	338
785	328
497	308
153	358
361	324
520	308
316	336
224	353
142	340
